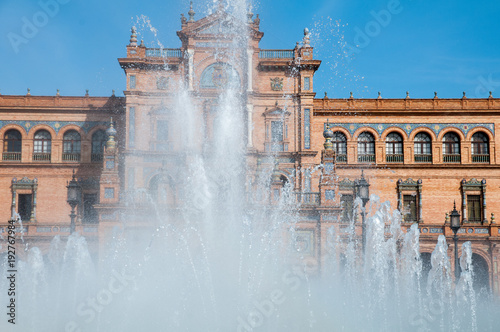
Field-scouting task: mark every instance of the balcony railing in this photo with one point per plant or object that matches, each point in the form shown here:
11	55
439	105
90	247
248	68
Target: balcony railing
11	156
276	147
41	156
341	158
96	157
164	53
276	54
71	157
480	158
366	158
394	158
451	158
307	198
423	158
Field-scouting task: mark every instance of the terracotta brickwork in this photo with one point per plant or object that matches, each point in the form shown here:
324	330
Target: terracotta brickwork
277	89
57	115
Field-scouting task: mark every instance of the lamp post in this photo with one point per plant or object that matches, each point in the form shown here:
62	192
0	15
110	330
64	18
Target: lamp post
74	197
363	192
455	226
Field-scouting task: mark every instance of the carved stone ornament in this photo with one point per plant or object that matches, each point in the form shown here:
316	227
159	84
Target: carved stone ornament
277	84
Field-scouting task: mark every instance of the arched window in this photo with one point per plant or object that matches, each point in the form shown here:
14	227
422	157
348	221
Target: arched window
42	146
394	148
71	146
480	148
481	275
98	142
219	76
451	148
422	148
12	145
366	148
339	142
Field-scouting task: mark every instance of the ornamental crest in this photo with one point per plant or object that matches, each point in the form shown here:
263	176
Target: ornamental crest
219	76
276	84
162	83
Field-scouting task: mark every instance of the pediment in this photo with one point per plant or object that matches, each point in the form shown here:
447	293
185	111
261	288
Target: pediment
218	24
276	111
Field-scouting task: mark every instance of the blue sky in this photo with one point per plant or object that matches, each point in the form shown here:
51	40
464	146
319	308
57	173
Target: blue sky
391	46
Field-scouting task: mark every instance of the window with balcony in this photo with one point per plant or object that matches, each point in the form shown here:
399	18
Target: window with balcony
276	125
410	208
98	142
71	146
422	148
276	135
366	148
480	148
42	146
161	143
25	206
347	204
12	145
474	200
339	142
90	215
409	199
474	208
451	148
394	148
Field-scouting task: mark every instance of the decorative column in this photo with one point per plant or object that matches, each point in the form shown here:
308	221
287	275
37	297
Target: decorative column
250	71
13	209
34	202
464	202
190	53
400	197
250	125
483	189
419	186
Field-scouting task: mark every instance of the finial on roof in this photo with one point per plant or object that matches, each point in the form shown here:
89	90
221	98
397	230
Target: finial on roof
257	20
407	95
435	95
191	12
133	37
379	95
328	135
350	96
250	15
307	38
142	43
29	92
111	131
113	91
464	96
326	95
57	93
491	95
183	19
87	92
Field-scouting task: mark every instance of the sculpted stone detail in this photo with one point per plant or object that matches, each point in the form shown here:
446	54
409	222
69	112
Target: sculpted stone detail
277	84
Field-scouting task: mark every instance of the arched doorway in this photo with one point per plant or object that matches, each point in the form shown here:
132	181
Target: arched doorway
425	257
481	275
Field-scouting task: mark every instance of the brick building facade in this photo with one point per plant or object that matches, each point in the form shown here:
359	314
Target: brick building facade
421	155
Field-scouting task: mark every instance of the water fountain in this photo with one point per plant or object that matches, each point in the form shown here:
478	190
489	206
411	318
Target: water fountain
216	262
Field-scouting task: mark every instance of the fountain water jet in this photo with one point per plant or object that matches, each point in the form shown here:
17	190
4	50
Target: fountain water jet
221	260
